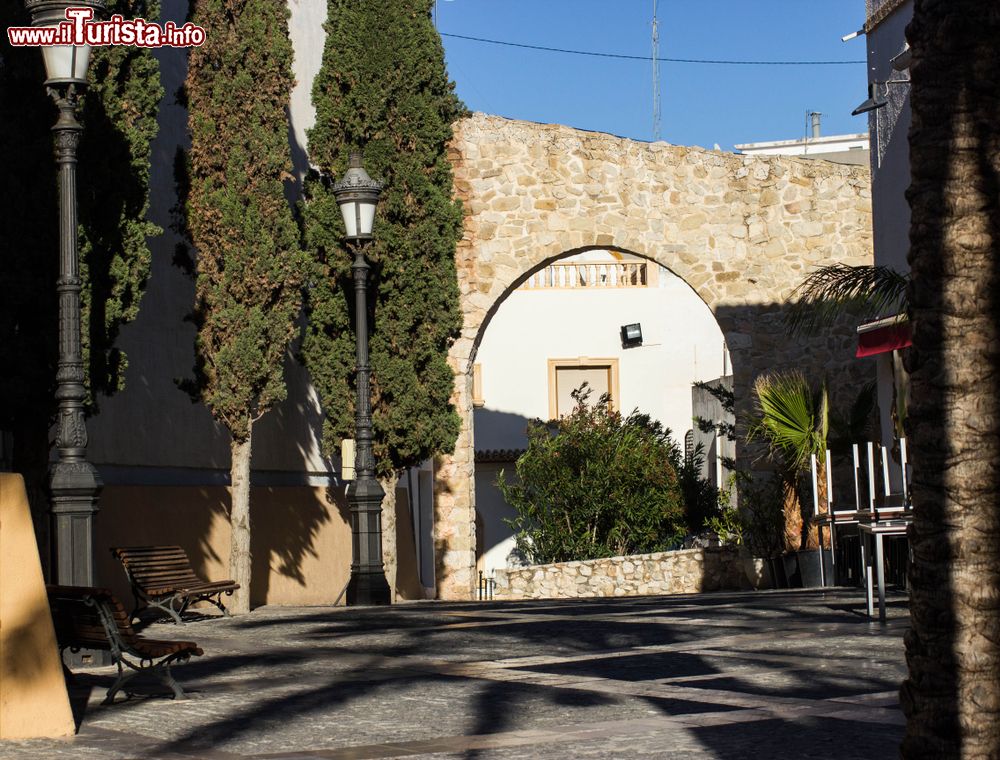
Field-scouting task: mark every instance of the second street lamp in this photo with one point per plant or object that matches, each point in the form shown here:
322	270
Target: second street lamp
74	481
357	195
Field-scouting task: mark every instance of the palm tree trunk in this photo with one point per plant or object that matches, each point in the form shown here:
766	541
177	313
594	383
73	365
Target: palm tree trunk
812	531
239	519
952	695
792	509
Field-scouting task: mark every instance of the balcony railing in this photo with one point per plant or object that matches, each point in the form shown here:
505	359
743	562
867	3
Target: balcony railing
582	274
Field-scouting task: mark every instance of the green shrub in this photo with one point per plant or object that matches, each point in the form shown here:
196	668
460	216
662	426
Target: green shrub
595	484
702	500
757	522
727	523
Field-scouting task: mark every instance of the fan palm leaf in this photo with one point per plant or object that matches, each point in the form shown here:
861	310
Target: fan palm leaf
794	422
792	419
830	291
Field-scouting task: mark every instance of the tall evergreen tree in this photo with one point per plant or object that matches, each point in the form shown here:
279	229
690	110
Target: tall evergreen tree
383	88
119	115
951	698
248	259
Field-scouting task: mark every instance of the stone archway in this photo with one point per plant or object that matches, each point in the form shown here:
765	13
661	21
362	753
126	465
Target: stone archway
742	231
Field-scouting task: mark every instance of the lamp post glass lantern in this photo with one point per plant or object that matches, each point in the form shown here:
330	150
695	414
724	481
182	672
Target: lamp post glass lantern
357	195
64	64
74	481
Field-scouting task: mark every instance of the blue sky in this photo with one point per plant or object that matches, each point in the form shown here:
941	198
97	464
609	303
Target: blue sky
701	104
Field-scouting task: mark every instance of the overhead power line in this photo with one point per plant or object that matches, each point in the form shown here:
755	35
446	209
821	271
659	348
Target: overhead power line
646	57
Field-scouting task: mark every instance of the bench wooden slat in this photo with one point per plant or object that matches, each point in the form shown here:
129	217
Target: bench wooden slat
169	577
162	577
179	563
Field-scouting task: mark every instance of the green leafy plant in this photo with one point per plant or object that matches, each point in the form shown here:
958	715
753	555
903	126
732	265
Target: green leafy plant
793	420
761	515
701	497
383	88
728	524
750	513
867	292
119	113
725	428
595	484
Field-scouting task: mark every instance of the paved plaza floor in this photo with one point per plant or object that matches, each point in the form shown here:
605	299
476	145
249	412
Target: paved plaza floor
783	674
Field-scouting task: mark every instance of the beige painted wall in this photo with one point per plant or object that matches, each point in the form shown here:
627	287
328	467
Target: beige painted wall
300	538
33	698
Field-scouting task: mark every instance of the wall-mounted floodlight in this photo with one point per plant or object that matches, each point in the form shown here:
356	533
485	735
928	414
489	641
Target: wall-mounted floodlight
631	335
875	100
901	61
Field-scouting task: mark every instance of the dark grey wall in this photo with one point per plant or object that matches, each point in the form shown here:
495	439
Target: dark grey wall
705	406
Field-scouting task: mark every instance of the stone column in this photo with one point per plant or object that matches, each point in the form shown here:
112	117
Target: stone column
455	500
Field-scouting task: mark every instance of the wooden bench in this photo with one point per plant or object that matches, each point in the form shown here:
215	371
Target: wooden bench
92	618
162	577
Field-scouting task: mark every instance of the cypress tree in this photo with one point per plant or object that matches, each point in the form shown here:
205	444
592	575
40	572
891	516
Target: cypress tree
119	115
383	88
247	253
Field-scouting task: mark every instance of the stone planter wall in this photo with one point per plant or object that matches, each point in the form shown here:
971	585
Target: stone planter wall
679	572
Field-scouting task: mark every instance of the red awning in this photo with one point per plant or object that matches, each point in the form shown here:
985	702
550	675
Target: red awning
883	339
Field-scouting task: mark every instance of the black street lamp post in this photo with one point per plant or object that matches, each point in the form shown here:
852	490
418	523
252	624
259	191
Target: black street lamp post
357	195
74	481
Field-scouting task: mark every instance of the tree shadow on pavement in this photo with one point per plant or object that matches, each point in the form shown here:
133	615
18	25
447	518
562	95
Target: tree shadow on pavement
420	673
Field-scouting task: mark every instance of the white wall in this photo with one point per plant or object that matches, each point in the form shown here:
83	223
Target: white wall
681	343
493	535
841	149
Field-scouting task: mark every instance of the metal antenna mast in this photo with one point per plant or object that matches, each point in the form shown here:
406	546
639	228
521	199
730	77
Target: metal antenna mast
656	75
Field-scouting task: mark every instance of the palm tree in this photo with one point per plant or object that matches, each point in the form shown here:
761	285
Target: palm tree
828	293
868	293
951	698
794	423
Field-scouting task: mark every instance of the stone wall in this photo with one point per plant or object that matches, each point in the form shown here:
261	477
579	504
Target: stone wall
742	231
688	571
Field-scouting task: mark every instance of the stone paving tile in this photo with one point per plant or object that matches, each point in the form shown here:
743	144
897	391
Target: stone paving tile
777	674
